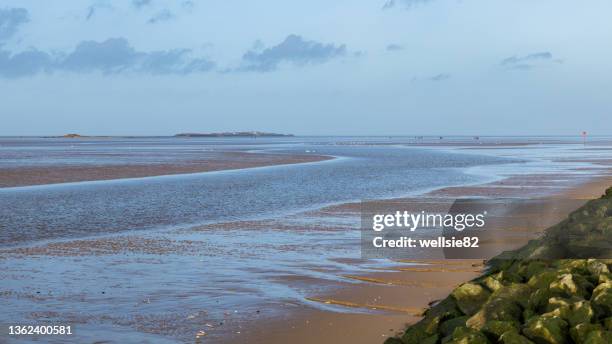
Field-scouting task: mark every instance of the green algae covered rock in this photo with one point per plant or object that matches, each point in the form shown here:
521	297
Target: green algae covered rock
580	312
491	283
599	337
534	295
547	329
495	328
580	332
464	335
513	337
421	331
470	297
448	326
565	285
602	299
431	340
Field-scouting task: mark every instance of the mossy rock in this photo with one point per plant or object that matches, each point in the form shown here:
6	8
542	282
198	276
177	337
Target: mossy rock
573	266
580	312
431	340
447	327
422	330
445	309
463	335
546	329
513	337
607	322
599	337
393	340
504	304
601	300
597	267
510	277
543	280
496	309
491	283
567	285
532	268
580	332
539	299
470	297
494	329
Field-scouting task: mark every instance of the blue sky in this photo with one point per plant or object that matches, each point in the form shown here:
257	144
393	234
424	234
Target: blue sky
402	67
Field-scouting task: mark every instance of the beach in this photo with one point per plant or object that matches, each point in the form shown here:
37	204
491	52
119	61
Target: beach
247	273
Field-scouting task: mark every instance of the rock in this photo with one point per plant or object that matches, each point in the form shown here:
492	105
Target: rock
601	300
596	267
497	309
470	297
491	283
580	312
608	323
463	335
447	327
532	268
494	329
569	285
599	337
557	302
421	330
543	280
550	330
513	337
431	340
504	305
580	332
538	300
393	340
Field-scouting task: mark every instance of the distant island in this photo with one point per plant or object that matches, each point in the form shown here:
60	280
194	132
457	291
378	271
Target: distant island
234	134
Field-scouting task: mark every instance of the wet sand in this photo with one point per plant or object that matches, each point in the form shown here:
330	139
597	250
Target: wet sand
38	175
403	291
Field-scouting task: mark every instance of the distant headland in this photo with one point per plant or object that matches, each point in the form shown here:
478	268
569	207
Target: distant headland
234	134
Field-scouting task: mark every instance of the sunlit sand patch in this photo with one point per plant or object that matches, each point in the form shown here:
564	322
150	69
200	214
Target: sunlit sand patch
393	282
409	310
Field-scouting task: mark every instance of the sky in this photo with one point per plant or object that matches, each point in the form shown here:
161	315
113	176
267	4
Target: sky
318	67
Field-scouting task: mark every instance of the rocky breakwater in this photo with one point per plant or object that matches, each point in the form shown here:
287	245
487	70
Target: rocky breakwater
554	290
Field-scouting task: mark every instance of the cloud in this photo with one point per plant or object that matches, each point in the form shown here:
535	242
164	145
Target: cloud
164	15
294	49
528	61
404	3
24	63
394	47
440	77
10	20
188	5
112	56
141	3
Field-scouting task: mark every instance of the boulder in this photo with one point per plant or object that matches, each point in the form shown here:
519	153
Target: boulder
601	300
447	327
513	337
580	332
495	328
580	312
470	297
463	335
546	329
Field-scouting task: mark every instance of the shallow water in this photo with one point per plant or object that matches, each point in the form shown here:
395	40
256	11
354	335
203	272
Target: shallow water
173	255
